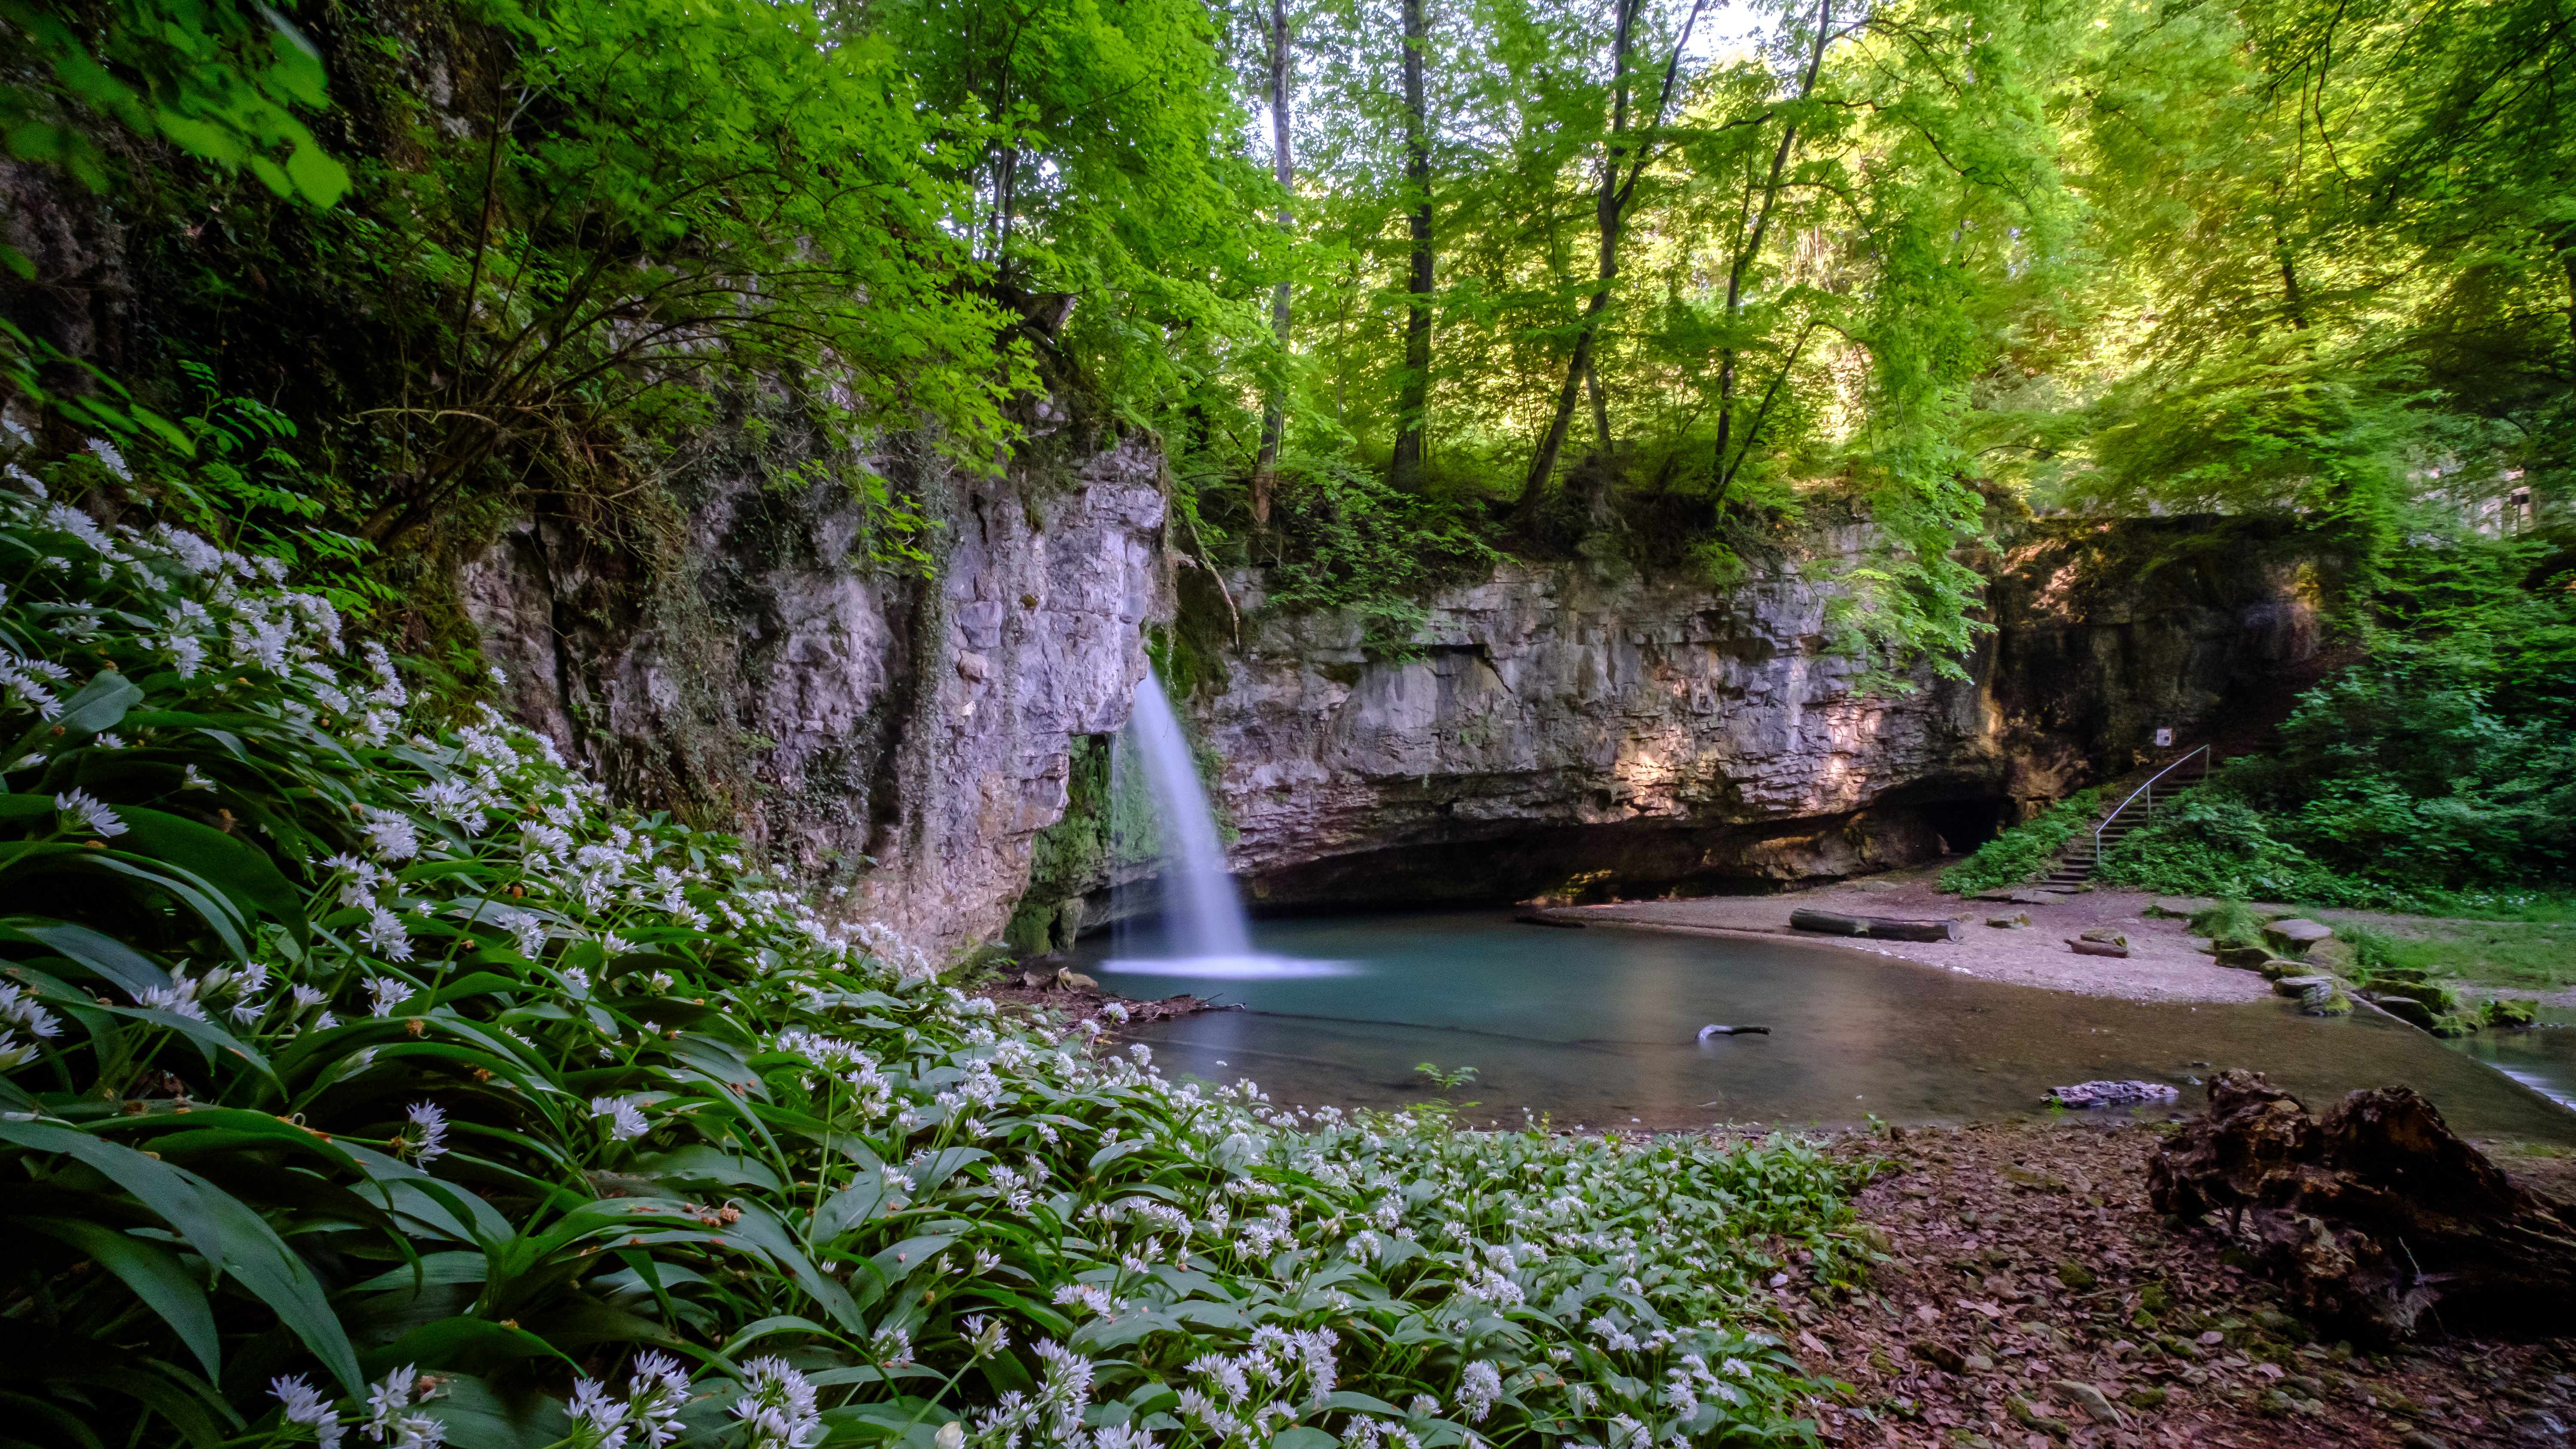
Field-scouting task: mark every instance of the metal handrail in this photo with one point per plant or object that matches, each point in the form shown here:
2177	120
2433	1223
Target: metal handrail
2147	790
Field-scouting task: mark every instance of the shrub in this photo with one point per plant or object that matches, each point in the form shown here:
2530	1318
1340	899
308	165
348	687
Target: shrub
362	1078
2025	851
2208	843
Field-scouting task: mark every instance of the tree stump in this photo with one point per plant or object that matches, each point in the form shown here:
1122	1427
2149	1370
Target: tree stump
2373	1217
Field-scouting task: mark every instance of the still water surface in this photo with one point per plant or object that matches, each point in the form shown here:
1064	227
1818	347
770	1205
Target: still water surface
1595	1027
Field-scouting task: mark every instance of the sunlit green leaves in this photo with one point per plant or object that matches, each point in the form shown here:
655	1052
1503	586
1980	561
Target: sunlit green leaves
220	81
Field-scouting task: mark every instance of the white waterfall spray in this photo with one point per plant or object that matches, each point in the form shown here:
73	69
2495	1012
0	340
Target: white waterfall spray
1203	917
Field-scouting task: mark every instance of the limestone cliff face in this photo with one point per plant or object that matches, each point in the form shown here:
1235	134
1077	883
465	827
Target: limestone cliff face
1578	729
910	745
897	741
1562	721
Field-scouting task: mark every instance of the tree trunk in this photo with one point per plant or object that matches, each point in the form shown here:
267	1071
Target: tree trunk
1609	209
1414	397
1606	211
2373	1215
1274	412
1752	248
1876	927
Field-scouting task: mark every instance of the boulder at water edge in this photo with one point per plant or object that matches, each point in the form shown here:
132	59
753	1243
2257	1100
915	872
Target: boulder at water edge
2296	934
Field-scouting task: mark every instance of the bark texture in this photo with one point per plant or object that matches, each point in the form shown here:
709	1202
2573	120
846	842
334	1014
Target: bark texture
2379	1221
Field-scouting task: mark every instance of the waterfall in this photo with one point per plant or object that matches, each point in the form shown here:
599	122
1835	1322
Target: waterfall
1202	915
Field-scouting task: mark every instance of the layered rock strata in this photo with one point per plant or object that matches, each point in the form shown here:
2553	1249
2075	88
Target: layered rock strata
896	741
1580	730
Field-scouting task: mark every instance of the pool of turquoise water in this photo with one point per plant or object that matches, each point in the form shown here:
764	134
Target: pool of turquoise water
1596	1028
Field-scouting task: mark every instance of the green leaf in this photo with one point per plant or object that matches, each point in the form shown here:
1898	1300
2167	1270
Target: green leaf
105	955
319	177
218	1226
471	1344
99	705
241	871
210	1038
153	1272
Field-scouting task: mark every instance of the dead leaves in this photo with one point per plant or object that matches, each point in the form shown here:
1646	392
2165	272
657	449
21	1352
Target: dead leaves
2034	1300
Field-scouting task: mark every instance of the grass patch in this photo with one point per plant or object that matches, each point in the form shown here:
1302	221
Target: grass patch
2506	955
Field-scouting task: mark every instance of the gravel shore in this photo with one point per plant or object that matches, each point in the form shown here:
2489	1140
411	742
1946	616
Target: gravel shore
2161	966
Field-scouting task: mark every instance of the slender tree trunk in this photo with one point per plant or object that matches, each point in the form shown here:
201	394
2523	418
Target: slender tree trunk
2291	300
1600	405
2565	241
1752	248
1274	413
1414	397
1610	209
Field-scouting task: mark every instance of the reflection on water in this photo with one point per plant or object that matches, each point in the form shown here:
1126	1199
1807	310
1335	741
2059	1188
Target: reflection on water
2543	1059
1596	1028
1230	968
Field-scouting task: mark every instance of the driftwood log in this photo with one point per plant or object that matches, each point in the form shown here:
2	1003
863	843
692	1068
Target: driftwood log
1877	927
2376	1217
2094	948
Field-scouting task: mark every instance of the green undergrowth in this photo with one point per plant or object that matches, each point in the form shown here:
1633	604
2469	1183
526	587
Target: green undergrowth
366	1078
2388	961
2509	955
2027	850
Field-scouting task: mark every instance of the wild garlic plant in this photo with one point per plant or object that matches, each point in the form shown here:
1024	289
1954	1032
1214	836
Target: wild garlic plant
364	1081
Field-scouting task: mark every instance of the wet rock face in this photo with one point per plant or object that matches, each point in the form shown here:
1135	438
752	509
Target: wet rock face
1564	729
1651	728
898	742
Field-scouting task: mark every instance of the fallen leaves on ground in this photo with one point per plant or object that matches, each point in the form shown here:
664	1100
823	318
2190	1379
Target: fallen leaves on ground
2034	1299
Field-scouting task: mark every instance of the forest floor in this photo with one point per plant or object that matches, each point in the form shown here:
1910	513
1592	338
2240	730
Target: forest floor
2035	1299
2522	958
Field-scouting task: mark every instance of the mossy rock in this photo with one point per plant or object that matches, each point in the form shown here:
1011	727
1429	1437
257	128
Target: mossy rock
2334	954
2295	936
2406	1009
2440	1000
2519	1012
2326	1000
2450	1027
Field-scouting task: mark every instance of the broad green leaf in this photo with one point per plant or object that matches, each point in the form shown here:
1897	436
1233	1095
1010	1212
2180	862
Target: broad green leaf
219	1227
435	1268
211	1039
103	954
155	1275
100	704
241	871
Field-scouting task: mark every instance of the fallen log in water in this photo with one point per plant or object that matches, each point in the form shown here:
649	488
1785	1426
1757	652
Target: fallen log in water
1876	927
2372	1215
